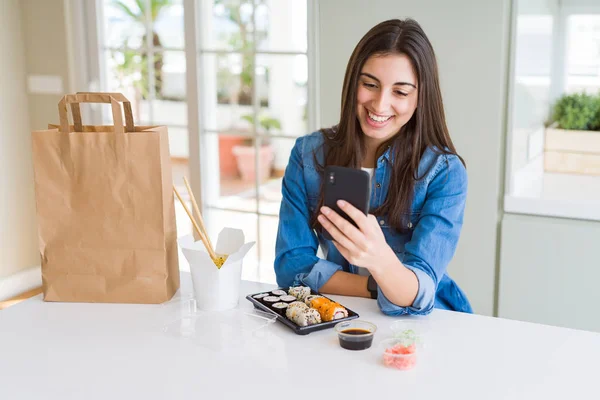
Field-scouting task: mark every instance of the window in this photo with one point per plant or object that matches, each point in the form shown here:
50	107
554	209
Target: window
555	50
250	102
143	55
583	53
253	55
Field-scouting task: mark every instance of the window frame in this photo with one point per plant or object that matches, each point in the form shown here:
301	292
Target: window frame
86	18
567	11
194	57
576	208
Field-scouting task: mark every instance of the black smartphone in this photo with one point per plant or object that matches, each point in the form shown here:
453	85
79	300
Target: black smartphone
348	184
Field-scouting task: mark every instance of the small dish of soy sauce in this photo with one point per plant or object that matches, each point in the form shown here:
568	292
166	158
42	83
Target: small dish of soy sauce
355	334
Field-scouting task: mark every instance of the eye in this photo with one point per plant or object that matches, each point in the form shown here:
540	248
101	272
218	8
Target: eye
369	85
399	93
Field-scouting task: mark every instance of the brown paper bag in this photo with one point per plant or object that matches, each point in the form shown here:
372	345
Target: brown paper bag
105	208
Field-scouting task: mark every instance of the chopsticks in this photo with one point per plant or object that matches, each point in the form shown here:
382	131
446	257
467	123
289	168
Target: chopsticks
200	228
198	213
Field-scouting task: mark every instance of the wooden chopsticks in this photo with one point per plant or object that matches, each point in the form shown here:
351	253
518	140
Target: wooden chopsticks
198	213
198	226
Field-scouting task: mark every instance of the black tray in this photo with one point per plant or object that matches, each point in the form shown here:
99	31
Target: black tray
300	330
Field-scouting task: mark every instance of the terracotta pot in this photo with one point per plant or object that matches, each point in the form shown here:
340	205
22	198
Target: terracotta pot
245	157
227	162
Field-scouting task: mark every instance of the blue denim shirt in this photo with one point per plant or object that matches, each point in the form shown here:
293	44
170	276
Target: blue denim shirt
426	248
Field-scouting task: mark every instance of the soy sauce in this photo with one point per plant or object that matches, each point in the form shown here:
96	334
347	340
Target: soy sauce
356	331
357	343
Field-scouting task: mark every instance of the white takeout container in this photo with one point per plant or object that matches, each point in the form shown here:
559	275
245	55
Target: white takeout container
216	289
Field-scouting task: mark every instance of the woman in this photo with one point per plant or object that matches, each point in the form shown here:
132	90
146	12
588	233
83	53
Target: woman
392	124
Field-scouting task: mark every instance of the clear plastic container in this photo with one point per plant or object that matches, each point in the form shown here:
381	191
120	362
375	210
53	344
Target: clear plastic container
399	353
183	302
411	329
355	334
221	330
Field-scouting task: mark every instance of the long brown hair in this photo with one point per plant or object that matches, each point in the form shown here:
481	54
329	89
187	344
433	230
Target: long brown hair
344	144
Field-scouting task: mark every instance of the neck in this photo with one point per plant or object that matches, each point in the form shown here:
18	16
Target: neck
369	160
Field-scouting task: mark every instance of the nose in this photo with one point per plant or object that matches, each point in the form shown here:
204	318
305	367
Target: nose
381	103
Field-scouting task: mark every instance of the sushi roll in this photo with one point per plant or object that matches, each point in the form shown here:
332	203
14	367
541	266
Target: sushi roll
280	307
308	300
318	302
279	292
288	298
332	312
302	315
310	317
260	296
294	309
300	292
270	300
328	310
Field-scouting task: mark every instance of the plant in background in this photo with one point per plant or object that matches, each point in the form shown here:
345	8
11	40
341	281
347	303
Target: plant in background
130	71
578	111
266	122
139	16
240	13
595	122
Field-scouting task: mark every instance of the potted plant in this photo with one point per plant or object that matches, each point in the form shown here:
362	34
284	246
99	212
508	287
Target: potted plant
572	137
245	153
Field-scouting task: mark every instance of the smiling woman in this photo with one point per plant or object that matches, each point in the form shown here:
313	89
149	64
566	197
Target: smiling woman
392	123
384	104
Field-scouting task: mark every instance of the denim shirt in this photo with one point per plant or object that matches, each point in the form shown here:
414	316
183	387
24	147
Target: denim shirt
426	247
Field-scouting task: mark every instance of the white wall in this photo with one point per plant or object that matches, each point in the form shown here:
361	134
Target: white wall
45	46
579	3
550	271
470	39
18	231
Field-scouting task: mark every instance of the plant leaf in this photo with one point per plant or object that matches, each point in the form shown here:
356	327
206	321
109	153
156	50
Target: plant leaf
123	7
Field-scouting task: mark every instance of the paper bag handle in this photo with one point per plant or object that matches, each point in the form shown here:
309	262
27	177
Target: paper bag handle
88	97
120	98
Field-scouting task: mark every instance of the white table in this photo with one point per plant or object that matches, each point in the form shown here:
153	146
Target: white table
106	351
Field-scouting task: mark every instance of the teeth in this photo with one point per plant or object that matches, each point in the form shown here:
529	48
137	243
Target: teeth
377	118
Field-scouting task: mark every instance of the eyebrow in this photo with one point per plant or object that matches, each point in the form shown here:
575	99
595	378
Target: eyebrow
397	83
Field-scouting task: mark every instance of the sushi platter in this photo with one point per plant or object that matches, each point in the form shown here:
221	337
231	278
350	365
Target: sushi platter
301	309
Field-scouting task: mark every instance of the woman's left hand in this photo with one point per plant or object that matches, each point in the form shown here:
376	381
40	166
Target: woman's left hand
364	247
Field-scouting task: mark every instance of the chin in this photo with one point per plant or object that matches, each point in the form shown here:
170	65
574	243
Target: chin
378	134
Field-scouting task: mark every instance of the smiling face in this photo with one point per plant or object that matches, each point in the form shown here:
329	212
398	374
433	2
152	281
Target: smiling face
387	96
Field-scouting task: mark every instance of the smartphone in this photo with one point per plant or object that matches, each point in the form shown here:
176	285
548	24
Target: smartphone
348	184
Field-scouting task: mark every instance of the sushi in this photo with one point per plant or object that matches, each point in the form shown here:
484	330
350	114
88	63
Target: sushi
328	310
280	307
288	298
301	314
300	292
332	312
260	295
310	298
294	307
317	301
279	292
270	299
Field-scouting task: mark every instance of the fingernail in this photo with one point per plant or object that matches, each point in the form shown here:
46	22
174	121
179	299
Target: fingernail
325	210
321	218
341	203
